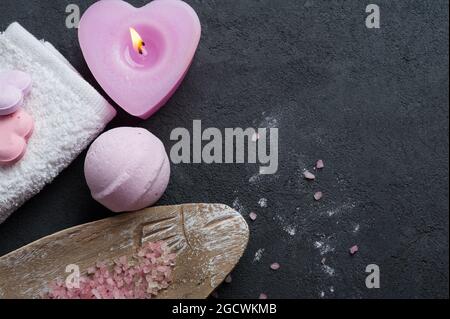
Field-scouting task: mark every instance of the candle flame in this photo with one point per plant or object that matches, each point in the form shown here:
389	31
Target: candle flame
138	43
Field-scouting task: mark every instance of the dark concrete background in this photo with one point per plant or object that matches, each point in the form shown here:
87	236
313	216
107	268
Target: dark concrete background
372	103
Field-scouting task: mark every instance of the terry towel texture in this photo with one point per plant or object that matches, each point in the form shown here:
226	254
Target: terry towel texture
68	115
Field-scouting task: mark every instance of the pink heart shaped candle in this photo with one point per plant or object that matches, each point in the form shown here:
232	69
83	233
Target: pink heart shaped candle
139	55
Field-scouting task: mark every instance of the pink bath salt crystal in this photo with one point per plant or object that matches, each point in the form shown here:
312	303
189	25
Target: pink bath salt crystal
320	164
354	249
253	216
101	280
128	293
123	261
262	296
105	273
133	271
119	282
117	294
145	262
308	175
228	279
85	293
124	278
275	266
103	291
100	265
128	280
146	269
164	285
96	294
318	196
72	293
162	268
172	256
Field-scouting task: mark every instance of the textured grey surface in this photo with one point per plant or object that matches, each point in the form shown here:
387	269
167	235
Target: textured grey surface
372	103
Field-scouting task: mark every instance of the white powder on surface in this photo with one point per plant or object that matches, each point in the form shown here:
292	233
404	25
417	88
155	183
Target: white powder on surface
262	202
328	270
254	178
344	208
287	227
258	255
291	230
323	247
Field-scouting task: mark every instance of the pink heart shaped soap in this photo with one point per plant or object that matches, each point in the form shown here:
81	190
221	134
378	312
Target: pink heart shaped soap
14	85
11	98
18	79
139	55
15	130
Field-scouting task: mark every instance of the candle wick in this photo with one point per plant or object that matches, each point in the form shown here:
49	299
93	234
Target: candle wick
143	50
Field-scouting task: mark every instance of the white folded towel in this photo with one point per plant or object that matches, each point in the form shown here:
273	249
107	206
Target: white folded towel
68	115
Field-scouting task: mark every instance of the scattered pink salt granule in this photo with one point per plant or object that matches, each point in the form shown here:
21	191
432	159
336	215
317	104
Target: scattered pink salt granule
228	279
262	296
354	249
320	164
309	175
318	196
140	277
275	266
253	216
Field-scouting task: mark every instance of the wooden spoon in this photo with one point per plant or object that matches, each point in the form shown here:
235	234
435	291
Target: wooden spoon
209	240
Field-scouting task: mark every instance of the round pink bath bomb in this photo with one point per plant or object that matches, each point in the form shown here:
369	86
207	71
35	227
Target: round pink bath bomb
127	169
